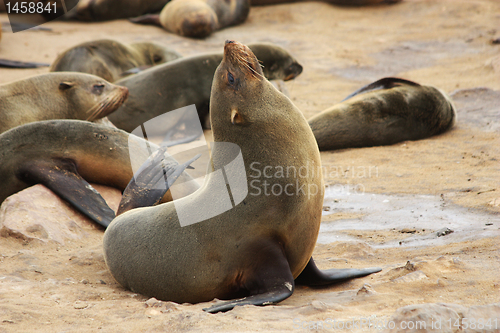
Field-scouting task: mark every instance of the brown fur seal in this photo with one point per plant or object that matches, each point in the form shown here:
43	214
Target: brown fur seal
65	155
188	81
260	243
198	18
385	112
109	59
58	96
103	10
334	2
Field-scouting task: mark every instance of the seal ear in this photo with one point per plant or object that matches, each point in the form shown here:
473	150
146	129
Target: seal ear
65	85
236	118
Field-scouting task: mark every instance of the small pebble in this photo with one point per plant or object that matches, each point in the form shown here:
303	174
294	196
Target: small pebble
444	232
79	305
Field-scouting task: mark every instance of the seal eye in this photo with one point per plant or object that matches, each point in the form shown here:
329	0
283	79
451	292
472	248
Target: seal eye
65	85
230	78
157	58
98	88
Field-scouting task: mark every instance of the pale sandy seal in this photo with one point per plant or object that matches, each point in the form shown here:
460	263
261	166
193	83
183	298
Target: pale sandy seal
385	112
257	247
109	58
198	18
188	81
62	95
67	155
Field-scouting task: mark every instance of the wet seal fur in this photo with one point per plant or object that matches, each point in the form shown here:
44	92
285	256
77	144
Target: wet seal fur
198	18
62	95
67	155
254	250
385	112
109	59
188	81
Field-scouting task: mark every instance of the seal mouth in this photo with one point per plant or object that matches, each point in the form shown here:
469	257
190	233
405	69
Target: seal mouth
240	55
109	104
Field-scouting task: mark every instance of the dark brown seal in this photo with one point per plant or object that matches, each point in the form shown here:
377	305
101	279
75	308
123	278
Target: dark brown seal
103	10
109	59
231	238
385	112
62	95
67	155
188	81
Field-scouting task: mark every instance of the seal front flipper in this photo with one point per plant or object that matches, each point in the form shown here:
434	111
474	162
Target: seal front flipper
312	276
61	176
266	278
384	83
143	189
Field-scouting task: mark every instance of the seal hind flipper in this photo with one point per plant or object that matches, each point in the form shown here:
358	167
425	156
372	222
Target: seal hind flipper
312	276
384	83
142	190
135	70
269	282
149	19
277	295
21	64
62	178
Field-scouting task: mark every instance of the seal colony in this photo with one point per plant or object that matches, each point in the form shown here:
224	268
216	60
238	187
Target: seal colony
67	155
385	112
188	81
62	95
252	252
109	59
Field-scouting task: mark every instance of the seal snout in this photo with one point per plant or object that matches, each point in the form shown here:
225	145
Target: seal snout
240	55
293	71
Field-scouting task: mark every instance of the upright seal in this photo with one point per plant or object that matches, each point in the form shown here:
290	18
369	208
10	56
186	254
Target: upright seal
226	244
385	112
58	96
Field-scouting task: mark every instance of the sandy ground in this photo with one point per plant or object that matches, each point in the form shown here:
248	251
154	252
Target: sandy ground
384	205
